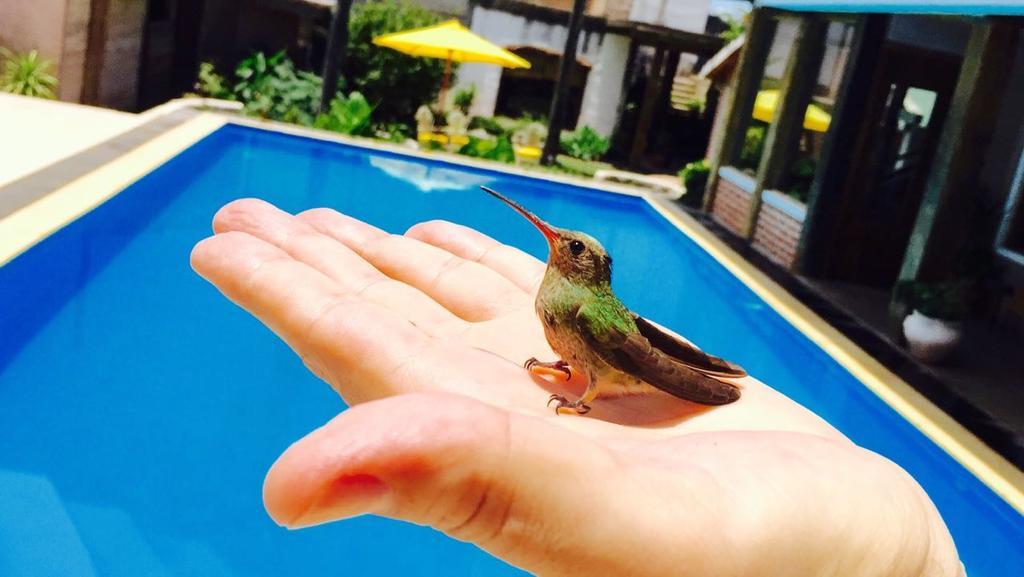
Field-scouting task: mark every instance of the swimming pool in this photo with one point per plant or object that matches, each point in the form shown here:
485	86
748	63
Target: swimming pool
141	409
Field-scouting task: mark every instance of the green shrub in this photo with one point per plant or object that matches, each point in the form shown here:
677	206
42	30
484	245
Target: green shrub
499	149
585	144
398	83
735	28
212	84
463	98
272	88
27	75
391	131
694	177
753	146
349	115
801	175
267	87
488	123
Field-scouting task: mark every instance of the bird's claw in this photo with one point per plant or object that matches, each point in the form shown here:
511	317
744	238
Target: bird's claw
538	367
563	403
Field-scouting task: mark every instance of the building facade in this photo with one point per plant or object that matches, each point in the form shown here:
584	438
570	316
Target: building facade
622	45
893	151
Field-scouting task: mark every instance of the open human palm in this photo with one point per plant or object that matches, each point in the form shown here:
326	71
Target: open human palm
424	335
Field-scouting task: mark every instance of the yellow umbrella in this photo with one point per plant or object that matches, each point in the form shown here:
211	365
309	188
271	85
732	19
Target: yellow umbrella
815	118
452	41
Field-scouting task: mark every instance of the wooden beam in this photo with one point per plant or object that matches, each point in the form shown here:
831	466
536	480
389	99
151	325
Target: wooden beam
746	83
834	163
648	107
95	48
951	189
334	57
565	65
783	135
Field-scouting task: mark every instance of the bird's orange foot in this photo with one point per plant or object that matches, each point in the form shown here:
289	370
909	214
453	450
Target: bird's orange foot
562	403
559	368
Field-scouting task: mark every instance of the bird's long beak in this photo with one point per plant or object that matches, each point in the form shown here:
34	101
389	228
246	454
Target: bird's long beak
546	229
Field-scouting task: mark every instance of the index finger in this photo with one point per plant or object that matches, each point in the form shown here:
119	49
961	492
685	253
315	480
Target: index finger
518	267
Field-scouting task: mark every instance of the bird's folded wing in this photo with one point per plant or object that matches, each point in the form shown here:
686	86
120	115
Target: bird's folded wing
633	354
686	353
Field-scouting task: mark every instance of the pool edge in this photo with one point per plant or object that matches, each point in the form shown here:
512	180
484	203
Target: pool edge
46	214
995	471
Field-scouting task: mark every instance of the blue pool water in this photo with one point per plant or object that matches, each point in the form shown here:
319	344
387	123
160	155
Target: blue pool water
140	409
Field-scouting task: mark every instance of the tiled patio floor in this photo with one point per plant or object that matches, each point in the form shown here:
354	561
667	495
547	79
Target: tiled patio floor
987	369
36	132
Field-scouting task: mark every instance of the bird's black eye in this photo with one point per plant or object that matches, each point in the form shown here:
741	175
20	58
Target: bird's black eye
576	247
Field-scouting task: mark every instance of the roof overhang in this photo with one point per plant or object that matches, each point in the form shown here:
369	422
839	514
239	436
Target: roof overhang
951	7
640	32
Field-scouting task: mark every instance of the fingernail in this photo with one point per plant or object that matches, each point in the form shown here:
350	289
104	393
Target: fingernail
344	497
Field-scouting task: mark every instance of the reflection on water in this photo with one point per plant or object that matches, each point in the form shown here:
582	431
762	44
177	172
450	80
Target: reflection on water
428	178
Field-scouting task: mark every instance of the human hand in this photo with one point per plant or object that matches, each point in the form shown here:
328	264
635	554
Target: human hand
424	335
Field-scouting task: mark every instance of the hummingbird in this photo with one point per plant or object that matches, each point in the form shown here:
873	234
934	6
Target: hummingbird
618	351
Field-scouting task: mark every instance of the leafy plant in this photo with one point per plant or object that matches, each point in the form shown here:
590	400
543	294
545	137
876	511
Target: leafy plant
212	84
391	131
943	300
267	87
801	176
735	29
398	82
585	144
753	145
499	149
273	88
27	75
694	177
347	115
463	98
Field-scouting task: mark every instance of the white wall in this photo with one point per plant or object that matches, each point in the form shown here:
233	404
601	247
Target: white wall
507	30
603	92
689	15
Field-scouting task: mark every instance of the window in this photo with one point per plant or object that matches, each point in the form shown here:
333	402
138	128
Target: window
749	154
838	40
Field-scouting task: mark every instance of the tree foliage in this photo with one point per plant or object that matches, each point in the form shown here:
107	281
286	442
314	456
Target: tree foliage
396	83
585	144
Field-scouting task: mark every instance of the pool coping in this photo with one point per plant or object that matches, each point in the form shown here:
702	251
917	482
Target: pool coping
120	161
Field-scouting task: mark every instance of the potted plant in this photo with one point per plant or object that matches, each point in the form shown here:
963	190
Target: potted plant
694	177
456	129
934	327
528	141
424	126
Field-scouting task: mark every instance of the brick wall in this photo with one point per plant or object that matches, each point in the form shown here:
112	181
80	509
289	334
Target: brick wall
730	206
776	235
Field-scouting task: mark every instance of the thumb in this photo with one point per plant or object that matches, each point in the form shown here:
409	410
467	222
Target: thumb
514	485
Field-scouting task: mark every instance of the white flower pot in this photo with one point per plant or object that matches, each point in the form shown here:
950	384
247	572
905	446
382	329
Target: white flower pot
931	340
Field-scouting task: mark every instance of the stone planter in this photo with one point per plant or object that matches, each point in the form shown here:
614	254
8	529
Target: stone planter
931	340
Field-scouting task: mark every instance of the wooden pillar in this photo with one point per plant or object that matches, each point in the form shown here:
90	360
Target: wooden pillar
188	25
783	135
647	109
740	103
951	188
627	81
556	115
840	142
334	57
95	48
